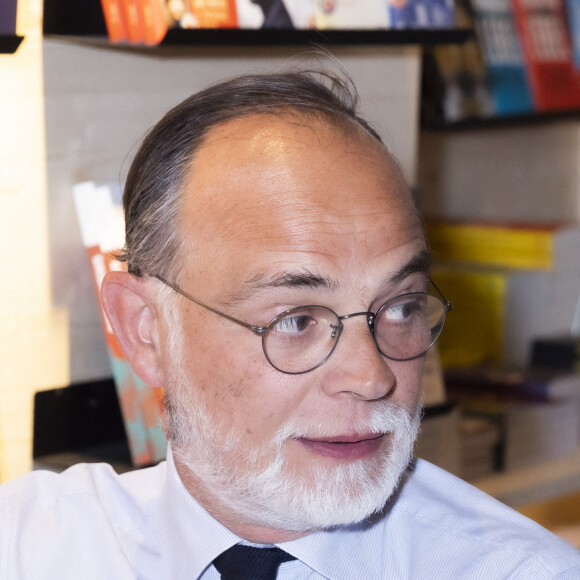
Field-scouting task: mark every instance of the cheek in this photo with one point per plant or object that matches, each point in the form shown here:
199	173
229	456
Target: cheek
239	388
409	375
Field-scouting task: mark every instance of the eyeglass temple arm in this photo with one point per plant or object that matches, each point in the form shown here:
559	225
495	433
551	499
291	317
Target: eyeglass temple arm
448	305
260	330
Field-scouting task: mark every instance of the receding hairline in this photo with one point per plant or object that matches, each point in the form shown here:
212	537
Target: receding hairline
341	125
347	130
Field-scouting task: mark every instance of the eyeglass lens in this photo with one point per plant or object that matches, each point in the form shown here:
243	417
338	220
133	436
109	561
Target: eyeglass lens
303	338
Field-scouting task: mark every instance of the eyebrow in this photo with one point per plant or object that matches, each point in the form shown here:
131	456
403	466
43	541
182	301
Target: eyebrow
419	264
299	278
304	278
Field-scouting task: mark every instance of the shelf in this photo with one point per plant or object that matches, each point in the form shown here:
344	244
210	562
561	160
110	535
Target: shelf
9	43
85	20
483	123
323	37
534	484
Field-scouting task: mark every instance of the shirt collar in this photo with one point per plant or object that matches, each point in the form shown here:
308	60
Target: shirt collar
346	552
191	537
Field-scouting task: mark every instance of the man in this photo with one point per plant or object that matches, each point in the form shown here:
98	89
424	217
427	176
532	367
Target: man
278	292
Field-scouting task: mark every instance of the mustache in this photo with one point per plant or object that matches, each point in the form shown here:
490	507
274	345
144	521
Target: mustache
386	417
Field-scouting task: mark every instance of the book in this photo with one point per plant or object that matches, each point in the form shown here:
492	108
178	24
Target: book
510	283
474	330
100	217
432	384
270	13
132	17
532	431
540	385
153	15
573	20
556	353
480	441
8	17
439	439
421	13
547	52
517	245
355	14
455	85
214	13
114	20
498	313
503	55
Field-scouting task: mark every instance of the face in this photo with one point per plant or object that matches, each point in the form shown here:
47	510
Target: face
276	214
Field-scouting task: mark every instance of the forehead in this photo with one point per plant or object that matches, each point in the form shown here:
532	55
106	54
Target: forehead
265	190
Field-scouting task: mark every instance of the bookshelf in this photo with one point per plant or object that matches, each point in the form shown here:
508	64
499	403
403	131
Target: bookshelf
498	122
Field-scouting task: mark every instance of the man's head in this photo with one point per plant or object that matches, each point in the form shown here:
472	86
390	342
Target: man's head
259	195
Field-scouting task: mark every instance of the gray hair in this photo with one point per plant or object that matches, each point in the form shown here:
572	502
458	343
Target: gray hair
155	179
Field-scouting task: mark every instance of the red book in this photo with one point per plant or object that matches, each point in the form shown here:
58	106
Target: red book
153	18
547	51
115	20
133	20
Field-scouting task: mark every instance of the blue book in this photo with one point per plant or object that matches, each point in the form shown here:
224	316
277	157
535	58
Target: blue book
573	18
422	14
503	56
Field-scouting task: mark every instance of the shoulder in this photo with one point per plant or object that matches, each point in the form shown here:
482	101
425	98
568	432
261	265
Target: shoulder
44	513
475	531
89	482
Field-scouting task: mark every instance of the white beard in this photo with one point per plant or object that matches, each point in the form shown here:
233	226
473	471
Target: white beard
272	495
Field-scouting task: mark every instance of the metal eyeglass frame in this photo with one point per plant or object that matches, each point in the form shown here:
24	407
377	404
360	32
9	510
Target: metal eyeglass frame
262	330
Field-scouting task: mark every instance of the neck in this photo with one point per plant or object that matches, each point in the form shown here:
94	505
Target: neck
250	531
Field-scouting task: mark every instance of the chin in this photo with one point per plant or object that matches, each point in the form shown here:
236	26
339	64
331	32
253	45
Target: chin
325	494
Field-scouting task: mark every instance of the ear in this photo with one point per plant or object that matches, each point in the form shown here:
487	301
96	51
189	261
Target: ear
131	310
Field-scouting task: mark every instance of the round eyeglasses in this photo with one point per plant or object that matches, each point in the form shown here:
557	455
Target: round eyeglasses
301	339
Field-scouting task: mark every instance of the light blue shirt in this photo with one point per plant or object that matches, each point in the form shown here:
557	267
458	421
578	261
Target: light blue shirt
91	523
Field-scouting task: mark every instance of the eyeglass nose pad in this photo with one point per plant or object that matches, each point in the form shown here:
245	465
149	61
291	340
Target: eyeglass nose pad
336	330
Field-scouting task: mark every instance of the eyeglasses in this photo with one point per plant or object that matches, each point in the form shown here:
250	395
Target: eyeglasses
301	339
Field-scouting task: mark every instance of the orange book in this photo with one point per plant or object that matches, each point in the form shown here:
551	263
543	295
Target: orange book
115	20
153	17
100	217
132	20
214	13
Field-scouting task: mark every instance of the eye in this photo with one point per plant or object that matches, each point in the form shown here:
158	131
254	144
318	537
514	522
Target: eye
293	324
402	310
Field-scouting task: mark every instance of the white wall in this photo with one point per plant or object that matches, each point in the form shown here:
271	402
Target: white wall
527	172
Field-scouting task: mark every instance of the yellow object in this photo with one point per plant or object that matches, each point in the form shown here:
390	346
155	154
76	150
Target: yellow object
474	329
519	246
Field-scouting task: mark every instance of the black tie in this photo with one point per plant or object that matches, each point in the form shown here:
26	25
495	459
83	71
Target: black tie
247	563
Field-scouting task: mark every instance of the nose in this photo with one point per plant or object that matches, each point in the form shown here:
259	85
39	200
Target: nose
356	367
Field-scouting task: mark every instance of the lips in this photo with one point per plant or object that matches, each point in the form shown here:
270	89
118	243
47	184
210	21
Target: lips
346	448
